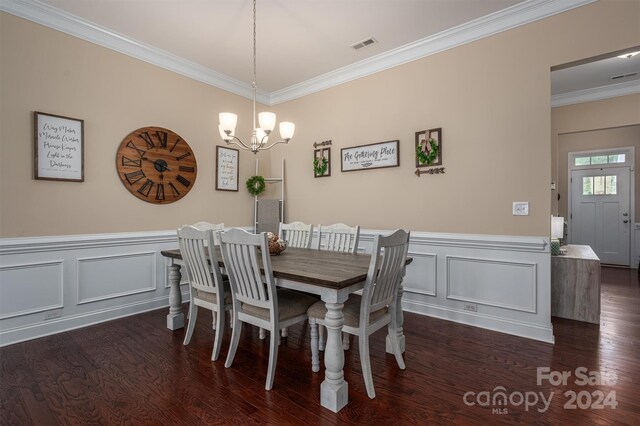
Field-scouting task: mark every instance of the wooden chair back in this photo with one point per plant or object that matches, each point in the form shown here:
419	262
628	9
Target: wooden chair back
298	234
338	237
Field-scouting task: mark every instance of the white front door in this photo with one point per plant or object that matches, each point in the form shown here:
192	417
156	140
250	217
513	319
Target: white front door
600	215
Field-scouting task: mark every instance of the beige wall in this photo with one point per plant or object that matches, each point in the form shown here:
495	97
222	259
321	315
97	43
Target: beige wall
590	140
591	125
45	70
491	98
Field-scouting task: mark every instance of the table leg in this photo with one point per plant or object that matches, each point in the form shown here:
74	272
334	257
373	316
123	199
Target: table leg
334	391
400	322
175	319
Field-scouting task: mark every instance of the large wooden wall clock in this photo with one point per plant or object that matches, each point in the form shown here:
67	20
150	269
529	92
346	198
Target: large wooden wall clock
156	165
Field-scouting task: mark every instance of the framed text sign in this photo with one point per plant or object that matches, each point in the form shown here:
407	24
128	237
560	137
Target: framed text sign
59	147
226	169
372	156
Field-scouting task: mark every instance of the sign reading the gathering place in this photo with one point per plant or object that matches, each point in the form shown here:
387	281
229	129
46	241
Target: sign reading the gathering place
372	156
59	143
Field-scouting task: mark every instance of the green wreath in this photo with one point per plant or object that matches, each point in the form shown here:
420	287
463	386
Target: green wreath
423	157
255	185
320	167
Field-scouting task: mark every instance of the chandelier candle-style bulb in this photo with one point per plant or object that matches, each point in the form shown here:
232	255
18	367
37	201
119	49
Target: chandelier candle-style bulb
267	121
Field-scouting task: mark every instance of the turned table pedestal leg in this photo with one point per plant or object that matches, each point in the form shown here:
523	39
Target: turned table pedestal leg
175	318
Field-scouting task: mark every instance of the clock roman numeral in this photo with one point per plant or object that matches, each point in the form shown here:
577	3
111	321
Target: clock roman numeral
175	191
134	177
145	189
147	139
160	192
186	154
174	145
128	162
186	169
162	137
132	145
183	181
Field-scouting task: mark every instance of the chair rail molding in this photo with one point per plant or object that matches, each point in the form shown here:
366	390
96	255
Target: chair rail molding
79	276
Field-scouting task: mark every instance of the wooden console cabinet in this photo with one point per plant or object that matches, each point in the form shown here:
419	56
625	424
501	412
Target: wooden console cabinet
575	284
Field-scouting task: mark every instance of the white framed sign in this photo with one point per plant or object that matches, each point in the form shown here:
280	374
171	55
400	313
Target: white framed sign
372	156
59	147
226	168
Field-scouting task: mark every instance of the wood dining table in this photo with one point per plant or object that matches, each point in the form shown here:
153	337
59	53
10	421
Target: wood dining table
331	275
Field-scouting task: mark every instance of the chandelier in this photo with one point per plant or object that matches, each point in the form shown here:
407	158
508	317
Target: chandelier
267	120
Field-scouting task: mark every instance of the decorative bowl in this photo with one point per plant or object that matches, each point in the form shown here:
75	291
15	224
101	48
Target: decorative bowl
276	244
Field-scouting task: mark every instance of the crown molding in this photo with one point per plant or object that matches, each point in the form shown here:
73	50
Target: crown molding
503	20
596	93
52	17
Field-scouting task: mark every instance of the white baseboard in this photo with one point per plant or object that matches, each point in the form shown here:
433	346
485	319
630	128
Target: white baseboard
544	334
37	330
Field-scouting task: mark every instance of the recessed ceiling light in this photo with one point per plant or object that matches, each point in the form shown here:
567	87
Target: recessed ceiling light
628	55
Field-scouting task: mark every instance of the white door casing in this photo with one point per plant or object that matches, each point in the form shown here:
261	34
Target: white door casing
602	221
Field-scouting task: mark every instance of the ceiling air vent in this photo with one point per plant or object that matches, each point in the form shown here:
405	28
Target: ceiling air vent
618	77
364	43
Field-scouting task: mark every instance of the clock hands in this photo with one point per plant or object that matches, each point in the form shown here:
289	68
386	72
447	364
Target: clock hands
160	165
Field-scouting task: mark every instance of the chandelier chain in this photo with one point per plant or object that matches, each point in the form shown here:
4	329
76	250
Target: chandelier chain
254	84
259	136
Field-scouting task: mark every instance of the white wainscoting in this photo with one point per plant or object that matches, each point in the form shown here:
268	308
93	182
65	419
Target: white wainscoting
88	279
79	280
506	279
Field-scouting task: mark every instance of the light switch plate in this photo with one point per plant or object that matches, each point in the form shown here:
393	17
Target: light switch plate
521	208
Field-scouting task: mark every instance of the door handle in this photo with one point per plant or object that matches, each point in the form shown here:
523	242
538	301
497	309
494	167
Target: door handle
625	221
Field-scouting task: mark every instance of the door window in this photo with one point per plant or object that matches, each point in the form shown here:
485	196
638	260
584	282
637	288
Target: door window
600	185
600	159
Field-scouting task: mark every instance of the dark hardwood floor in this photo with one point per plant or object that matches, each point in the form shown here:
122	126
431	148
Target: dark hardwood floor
135	371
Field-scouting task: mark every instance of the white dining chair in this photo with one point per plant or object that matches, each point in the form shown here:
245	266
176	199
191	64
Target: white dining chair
366	314
217	228
297	234
255	301
338	237
206	283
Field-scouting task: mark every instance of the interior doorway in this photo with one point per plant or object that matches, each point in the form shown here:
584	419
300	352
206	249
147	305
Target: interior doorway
601	200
